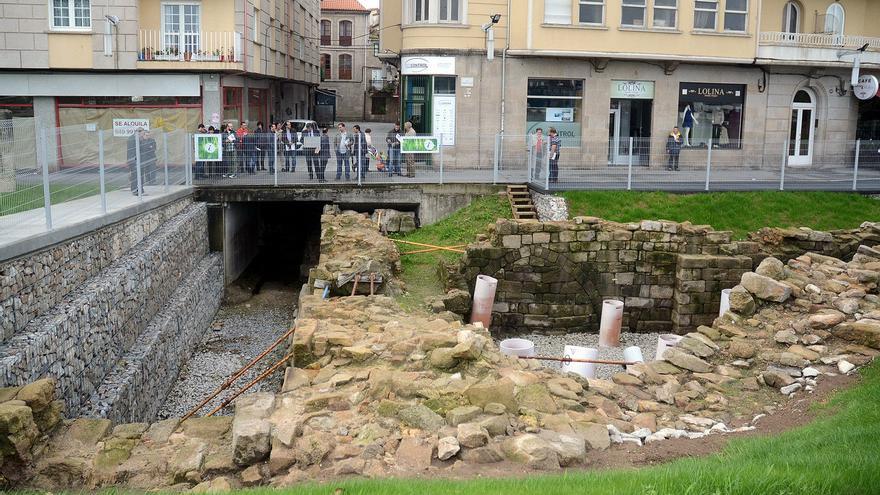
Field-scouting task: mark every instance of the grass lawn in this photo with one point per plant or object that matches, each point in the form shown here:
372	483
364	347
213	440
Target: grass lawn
740	212
462	227
29	197
836	454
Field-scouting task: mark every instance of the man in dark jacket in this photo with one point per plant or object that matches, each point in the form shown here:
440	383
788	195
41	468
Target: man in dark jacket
673	148
392	139
250	149
260	146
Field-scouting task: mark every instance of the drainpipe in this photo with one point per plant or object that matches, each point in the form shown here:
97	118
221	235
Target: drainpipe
504	81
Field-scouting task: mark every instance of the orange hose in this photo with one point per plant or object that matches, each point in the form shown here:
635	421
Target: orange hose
252	383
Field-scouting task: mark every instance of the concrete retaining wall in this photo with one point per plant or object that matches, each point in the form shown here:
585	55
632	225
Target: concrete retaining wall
135	389
81	338
32	284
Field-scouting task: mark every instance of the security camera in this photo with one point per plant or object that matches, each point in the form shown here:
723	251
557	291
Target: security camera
112	19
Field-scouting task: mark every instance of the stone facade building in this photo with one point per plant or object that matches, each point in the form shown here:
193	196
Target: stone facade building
352	75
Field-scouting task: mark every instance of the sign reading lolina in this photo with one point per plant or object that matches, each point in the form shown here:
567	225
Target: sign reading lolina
632	90
867	87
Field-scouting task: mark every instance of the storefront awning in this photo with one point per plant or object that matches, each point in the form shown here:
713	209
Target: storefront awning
91	84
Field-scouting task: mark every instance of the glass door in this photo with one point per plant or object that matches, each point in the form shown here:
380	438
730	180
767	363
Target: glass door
613	135
801	132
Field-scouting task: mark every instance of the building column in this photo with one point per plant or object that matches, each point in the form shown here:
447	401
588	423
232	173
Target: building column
46	120
212	100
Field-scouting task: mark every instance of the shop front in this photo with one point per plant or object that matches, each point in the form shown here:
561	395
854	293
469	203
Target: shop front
429	95
711	114
630	117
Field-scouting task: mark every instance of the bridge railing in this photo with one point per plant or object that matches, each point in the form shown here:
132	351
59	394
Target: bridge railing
50	178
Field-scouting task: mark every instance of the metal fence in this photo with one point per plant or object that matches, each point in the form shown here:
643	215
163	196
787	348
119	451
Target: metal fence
53	177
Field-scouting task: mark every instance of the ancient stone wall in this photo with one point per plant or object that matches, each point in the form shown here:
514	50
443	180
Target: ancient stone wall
554	275
81	338
699	280
136	388
31	285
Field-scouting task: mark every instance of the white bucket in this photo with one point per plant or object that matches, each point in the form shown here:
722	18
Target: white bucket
725	302
665	341
484	298
609	325
586	370
517	347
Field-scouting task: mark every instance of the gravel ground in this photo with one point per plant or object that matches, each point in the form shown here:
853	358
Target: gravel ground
553	345
244	331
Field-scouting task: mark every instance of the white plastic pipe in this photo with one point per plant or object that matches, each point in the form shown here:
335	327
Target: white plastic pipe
518	347
609	326
725	302
586	370
484	298
633	354
665	341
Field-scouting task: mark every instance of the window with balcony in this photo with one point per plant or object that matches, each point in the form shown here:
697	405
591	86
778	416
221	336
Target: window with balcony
736	13
325	32
180	29
71	14
665	13
705	12
791	18
326	71
557	11
344	33
591	12
345	67
633	13
834	19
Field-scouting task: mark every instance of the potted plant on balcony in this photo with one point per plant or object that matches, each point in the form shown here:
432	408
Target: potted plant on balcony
141	54
220	53
187	56
230	57
157	54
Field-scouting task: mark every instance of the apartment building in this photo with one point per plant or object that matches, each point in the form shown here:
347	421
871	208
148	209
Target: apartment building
738	76
105	64
356	84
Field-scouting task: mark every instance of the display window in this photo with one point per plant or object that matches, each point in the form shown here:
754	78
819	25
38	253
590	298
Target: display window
556	103
710	113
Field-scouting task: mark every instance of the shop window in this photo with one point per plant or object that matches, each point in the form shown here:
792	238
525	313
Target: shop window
665	13
325	32
709	112
17	106
556	103
345	67
705	12
557	11
377	105
449	11
257	104
444	85
591	12
633	13
344	33
326	71
736	13
71	14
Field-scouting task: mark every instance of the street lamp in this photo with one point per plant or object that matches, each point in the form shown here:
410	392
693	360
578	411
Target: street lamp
490	35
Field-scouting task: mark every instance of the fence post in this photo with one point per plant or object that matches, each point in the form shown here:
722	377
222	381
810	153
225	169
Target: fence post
275	158
360	155
137	162
188	153
496	158
101	171
856	165
440	145
629	168
708	164
784	160
44	163
165	146
547	165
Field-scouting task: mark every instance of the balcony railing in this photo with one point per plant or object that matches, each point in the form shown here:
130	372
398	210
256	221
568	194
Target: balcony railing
203	46
811	40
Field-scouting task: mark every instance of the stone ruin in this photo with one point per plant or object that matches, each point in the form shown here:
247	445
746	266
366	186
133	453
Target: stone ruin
375	391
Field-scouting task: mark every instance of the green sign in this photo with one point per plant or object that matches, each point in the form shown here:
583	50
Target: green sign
208	147
419	144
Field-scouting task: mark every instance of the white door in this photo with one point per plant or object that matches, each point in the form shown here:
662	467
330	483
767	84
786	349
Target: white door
803	126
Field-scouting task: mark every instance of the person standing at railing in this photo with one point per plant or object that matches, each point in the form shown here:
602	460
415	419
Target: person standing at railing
673	149
242	155
410	158
392	139
555	148
134	142
251	151
359	159
538	144
230	150
289	142
342	148
313	162
199	167
323	154
148	158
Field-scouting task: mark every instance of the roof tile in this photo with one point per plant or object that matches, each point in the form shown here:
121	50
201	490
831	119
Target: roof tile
343	5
